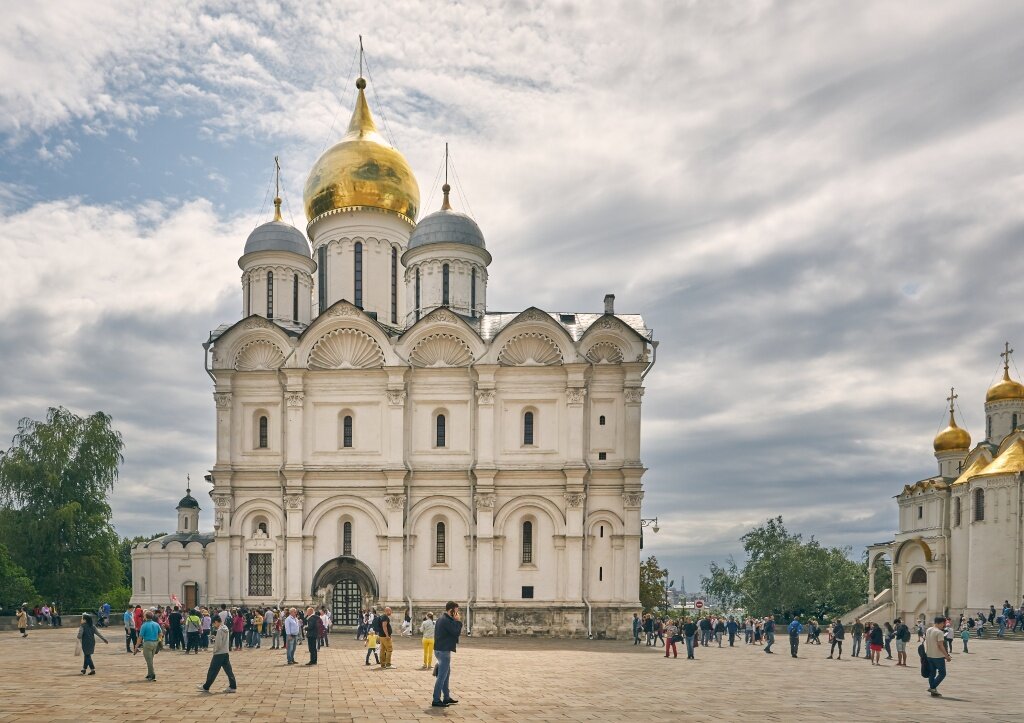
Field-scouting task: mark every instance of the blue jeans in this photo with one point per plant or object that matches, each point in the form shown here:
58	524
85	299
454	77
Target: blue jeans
856	646
770	637
290	648
444	670
689	645
936	672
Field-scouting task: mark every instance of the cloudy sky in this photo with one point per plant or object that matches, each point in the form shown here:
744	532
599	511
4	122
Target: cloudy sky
816	206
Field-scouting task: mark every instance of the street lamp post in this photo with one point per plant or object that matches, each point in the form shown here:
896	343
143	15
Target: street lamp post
651	522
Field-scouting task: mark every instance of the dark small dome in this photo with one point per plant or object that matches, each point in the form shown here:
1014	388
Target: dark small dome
188	501
277	236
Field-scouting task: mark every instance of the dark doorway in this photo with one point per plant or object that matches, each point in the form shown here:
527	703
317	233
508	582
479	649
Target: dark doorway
348	603
191	596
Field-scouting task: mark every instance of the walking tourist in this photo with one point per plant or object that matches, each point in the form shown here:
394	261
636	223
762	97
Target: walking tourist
384	632
719	631
732	627
769	634
237	628
149	636
937	653
427	629
139	617
221	659
174	631
446	638
313	624
129	629
867	635
858	632
902	638
275	632
291	636
22	617
637	628
838	634
204	633
794	636
193	626
690	635
649	628
671	637
965	635
87	634
876	643
372	646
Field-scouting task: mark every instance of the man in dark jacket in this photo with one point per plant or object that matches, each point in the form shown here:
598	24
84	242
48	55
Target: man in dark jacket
174	629
312	633
446	638
838	635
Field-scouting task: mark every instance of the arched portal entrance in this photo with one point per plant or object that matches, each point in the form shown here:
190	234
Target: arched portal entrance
346	586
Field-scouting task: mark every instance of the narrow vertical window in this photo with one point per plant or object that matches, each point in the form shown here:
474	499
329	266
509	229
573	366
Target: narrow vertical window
186	523
394	285
600	574
439	544
295	298
359	275
602	531
346	431
988	426
346	539
248	296
979	505
472	293
263	433
417	294
1014	423
601	421
527	543
444	284
956	512
270	294
321	278
441	431
528	429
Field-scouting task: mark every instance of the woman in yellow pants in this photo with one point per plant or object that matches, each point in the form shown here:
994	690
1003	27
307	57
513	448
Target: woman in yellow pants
427	628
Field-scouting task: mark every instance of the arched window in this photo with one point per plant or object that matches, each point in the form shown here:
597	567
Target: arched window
918	576
346	431
979	505
262	527
528	429
142	584
321	278
270	294
417	294
346	539
444	284
601	420
295	297
394	285
440	549
472	293
359	275
441	439
263	438
988	426
956	511
185	523
527	543
1014	423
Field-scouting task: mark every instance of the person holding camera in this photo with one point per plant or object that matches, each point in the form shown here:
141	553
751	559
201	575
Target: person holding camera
446	638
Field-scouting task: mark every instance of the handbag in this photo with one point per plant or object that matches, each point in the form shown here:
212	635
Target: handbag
677	638
435	669
159	642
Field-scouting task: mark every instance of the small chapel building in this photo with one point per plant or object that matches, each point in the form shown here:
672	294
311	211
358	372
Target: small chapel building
385	438
960	545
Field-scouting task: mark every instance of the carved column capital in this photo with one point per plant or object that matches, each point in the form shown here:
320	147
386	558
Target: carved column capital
575	395
634	395
485	397
294	399
222	399
574	499
293	500
632	499
485	502
396	397
394	502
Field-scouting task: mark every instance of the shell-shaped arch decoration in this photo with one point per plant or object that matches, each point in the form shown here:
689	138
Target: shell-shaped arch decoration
346	349
441	350
530	349
258	356
604	352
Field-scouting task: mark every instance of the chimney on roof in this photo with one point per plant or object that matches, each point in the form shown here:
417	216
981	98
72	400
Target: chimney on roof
609	303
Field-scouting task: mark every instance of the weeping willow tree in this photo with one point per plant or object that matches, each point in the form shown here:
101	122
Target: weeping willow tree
55	519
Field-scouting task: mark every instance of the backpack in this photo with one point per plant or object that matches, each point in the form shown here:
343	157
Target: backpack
926	667
904	633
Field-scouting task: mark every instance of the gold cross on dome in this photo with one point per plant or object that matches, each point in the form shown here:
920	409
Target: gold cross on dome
953	396
1006	357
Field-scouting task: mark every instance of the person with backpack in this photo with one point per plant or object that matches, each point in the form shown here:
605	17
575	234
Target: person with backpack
795	628
937	655
902	638
965	635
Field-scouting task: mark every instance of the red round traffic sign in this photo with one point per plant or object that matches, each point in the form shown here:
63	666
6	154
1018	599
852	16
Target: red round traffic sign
698	604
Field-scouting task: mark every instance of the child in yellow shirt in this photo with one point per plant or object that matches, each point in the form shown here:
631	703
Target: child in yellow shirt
372	646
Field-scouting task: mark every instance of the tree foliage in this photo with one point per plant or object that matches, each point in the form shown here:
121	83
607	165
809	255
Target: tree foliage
721	585
784	575
652	584
15	586
54	482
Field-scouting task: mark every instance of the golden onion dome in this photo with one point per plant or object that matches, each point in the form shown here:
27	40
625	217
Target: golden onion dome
1005	388
363	170
952	438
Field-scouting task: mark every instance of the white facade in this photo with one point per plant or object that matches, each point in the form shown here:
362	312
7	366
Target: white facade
960	545
411	452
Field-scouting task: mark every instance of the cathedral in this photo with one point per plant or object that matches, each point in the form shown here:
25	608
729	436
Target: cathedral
960	545
383	438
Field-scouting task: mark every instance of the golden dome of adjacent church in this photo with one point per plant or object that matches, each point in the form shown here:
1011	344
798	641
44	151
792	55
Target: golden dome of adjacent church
363	170
1005	388
952	438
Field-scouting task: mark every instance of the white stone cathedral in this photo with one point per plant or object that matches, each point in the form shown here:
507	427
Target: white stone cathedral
385	439
960	544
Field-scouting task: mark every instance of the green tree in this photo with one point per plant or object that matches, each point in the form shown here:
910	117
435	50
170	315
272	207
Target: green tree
54	482
723	585
652	584
15	586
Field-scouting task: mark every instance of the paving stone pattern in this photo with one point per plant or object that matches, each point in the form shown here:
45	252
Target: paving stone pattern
511	679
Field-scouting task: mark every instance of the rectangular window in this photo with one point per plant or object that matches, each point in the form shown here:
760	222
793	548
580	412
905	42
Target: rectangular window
259	574
920	512
444	284
600	574
394	285
359	275
441	431
346	543
472	294
321	278
295	298
527	592
602	455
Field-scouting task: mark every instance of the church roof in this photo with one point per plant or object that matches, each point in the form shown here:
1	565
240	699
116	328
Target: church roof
1010	461
971	471
575	324
203	538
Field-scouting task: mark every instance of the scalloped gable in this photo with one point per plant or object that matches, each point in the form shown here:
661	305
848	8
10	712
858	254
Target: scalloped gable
447	318
574	324
228	341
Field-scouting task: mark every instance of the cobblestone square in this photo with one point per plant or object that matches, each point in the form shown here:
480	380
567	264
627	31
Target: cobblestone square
509	679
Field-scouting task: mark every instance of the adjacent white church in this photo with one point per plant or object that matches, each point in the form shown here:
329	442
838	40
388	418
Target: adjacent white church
960	545
385	439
